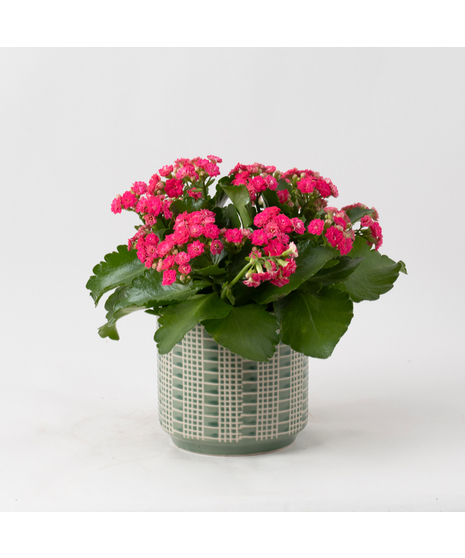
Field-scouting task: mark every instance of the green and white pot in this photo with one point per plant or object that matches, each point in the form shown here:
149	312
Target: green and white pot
215	402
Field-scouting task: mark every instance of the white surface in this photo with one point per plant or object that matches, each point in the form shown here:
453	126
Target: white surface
78	419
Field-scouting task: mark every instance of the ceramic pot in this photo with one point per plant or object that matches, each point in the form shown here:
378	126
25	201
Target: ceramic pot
215	402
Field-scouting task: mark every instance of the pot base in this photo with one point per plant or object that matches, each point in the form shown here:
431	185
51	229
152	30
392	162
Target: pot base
243	448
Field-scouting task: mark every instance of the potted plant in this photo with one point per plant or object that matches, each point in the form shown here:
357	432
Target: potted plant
247	278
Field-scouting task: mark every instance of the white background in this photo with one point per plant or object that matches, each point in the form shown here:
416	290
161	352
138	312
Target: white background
79	428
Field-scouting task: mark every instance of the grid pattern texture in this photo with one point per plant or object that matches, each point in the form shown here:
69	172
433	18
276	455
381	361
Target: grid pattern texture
207	393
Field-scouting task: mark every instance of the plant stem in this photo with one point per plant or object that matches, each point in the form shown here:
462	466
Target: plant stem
227	287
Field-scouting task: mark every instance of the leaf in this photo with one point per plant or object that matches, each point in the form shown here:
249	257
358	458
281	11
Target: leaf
310	260
373	277
109	329
356	213
313	323
233	217
338	272
118	269
220	197
149	291
271	199
189	204
209	270
240	197
176	320
249	331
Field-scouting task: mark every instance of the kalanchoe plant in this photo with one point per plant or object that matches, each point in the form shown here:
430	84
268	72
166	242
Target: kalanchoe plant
258	259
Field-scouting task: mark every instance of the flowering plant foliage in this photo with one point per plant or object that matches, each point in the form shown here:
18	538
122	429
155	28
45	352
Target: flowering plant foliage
259	258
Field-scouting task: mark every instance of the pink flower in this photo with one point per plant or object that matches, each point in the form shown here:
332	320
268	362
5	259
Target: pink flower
139	188
283	196
280	281
334	236
285	224
271	182
154	205
195	230
182	258
306	185
265	216
166	209
166	170
169	277
194	194
152	238
211	231
323	187
141	206
214	159
151	250
258	183
154	184
345	246
270	169
168	262
233	235
150	219
241	178
377	234
340	221
366	221
289	268
195	248
274	248
316	226
116	205
181	235
251	283
259	237
272	228
298	225
173	187
211	169
216	247
164	247
128	200
184	269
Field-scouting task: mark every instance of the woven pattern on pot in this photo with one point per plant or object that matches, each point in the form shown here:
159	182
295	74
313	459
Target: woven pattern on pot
207	393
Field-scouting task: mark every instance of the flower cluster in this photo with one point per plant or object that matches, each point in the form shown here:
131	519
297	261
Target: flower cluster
272	235
338	229
154	199
370	222
257	178
191	234
277	270
170	246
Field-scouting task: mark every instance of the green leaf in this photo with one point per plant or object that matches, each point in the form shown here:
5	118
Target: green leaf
149	291
337	273
176	320
209	270
188	204
373	277
249	331
313	323
109	329
310	260
220	197
233	217
356	213
118	269
240	197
